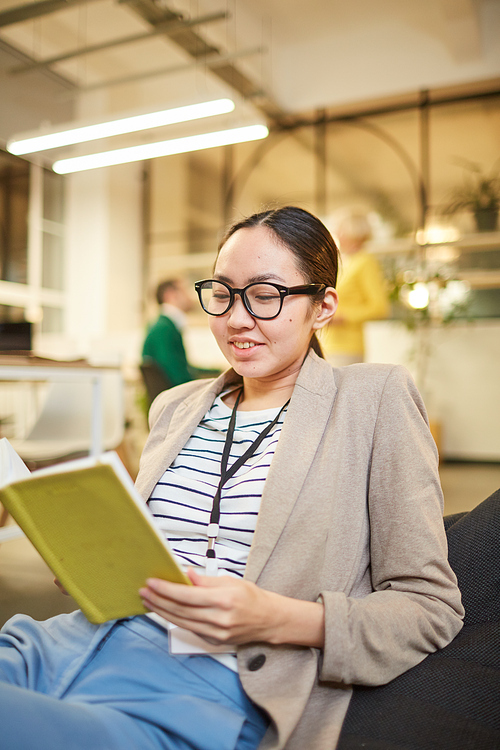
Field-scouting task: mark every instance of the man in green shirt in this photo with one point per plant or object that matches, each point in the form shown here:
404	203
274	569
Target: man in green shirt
163	343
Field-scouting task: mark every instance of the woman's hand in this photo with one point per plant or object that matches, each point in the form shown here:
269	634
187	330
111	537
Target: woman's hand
226	610
60	586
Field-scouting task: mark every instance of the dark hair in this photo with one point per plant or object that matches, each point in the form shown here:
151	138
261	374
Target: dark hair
306	237
162	288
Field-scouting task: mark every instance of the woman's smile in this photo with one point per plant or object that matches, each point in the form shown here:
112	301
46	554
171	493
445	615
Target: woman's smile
243	344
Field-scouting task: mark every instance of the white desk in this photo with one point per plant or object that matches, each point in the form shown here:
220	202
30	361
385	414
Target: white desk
32	369
15	368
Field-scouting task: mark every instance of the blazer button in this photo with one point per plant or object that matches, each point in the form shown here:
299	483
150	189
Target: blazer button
256	662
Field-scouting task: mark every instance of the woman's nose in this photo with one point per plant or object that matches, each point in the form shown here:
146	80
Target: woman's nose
239	315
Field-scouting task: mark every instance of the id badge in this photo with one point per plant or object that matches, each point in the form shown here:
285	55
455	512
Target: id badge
181	641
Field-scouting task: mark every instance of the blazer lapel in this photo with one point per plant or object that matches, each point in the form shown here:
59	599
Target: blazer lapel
310	408
180	426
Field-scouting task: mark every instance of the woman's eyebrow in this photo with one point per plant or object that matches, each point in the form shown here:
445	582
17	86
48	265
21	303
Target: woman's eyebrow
259	278
265	277
221	277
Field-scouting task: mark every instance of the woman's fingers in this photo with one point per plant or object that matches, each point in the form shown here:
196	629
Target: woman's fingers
214	603
203	594
204	621
60	586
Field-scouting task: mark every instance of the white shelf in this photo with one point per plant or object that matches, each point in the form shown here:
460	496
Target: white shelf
474	242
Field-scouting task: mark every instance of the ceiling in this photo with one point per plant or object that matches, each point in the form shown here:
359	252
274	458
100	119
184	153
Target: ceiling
67	59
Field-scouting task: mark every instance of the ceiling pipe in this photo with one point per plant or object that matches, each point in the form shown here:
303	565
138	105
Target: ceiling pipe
160	28
35	10
211	61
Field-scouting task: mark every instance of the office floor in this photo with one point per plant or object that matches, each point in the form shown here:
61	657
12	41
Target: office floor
26	584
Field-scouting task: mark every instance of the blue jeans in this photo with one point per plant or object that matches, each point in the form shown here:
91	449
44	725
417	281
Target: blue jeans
66	684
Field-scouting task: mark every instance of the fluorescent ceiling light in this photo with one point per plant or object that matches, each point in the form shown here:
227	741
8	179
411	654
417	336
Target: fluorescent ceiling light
118	127
163	148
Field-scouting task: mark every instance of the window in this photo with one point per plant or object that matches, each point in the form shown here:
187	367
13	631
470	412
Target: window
14	191
32	268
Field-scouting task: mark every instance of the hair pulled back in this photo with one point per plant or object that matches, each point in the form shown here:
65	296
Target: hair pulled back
308	240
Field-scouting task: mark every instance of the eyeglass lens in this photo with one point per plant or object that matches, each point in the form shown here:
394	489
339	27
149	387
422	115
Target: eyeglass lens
263	300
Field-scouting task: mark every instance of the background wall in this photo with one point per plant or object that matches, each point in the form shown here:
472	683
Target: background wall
368	104
461	382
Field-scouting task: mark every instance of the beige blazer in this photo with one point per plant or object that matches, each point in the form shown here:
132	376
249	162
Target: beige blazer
351	514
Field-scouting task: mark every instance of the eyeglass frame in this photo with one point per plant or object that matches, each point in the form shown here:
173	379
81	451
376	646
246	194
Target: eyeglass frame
284	291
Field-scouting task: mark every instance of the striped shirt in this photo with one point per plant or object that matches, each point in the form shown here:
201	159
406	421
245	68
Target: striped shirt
182	500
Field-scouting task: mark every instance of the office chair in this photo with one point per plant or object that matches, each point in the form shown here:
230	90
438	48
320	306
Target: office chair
154	379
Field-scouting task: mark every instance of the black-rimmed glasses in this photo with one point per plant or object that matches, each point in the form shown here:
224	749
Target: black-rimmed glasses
263	300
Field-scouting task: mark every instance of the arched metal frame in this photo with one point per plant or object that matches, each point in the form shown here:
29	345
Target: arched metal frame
419	173
239	180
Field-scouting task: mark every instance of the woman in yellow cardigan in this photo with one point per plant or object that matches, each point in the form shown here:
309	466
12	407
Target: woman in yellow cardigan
361	289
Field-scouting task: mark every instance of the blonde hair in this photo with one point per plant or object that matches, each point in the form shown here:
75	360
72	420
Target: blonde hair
350	222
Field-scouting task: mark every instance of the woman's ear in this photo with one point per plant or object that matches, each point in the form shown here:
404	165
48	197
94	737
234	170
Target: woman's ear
326	309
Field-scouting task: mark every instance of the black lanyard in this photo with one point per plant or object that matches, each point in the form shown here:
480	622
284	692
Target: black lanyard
225	474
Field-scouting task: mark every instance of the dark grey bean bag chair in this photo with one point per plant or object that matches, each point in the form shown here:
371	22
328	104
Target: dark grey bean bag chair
451	701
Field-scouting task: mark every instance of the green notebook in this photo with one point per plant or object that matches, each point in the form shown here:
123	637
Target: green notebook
94	531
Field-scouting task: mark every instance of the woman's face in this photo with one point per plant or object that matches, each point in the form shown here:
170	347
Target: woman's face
264	349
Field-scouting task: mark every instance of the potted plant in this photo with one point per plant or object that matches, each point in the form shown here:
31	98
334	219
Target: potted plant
480	194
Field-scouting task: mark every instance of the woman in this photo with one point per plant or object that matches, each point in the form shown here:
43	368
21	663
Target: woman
361	287
333	515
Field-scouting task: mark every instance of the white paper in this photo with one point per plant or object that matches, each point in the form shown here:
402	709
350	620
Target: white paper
12	467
